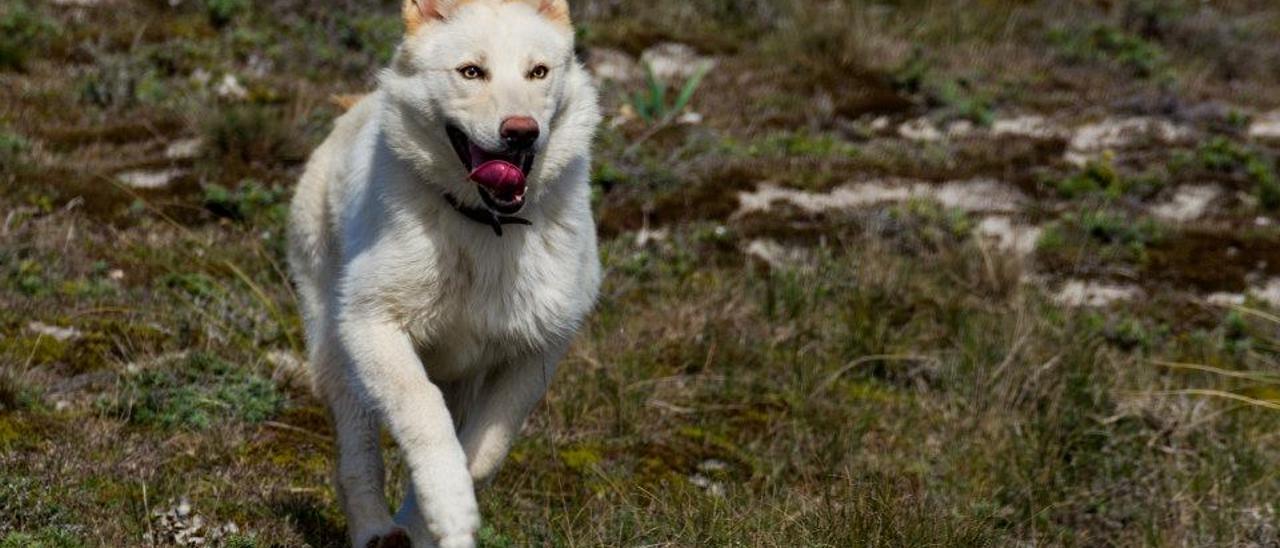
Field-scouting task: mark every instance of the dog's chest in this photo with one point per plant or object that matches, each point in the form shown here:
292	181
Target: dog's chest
497	305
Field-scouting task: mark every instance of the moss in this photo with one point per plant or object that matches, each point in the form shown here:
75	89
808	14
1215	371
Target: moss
23	31
202	389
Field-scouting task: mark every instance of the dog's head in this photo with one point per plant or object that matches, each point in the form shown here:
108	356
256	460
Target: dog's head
478	86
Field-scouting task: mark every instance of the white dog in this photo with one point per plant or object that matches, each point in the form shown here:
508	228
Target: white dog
430	307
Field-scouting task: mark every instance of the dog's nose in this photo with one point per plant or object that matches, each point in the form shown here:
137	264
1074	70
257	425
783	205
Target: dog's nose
519	132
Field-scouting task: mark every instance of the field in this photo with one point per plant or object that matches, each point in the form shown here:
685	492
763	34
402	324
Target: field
899	273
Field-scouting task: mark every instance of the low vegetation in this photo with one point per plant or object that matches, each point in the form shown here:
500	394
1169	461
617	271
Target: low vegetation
880	375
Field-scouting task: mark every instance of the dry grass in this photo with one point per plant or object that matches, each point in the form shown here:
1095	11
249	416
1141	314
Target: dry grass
898	386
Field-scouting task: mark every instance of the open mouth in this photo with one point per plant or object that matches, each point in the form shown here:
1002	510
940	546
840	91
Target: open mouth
500	176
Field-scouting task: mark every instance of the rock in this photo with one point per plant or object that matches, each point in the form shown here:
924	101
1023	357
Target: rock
1034	127
184	149
230	88
60	334
1008	236
1079	293
920	130
1188	203
671	61
150	179
613	65
1266	126
1090	141
977	195
1268	293
780	257
1225	299
960	128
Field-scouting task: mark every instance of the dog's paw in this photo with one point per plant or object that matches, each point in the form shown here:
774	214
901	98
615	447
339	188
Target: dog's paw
395	538
459	541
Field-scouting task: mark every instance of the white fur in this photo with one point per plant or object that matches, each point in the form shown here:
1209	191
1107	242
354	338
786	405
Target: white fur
417	317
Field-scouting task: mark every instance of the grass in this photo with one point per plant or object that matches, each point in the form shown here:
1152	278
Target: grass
901	382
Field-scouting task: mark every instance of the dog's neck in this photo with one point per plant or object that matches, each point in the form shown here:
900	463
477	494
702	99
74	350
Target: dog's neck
484	215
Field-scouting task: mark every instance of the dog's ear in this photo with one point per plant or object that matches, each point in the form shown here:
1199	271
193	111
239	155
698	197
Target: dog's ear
555	10
418	13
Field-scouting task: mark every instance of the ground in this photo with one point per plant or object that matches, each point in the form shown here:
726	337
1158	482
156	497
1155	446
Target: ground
968	272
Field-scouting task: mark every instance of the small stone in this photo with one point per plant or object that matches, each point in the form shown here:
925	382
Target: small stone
671	61
60	334
230	88
920	129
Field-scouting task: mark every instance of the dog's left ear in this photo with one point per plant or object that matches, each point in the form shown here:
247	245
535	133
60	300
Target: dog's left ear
555	10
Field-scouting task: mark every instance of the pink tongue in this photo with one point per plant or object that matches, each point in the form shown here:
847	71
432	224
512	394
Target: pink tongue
502	179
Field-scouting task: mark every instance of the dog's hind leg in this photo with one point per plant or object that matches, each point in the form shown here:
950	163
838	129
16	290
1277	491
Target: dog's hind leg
359	475
500	410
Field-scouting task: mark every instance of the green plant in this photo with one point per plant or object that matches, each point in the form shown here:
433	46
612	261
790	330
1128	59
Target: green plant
1106	43
196	392
1226	156
651	103
12	146
23	31
252	200
1101	177
222	12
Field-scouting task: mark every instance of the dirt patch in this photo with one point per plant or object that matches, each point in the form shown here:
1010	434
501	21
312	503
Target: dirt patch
1212	260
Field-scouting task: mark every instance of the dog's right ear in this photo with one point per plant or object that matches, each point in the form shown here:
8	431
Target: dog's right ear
419	13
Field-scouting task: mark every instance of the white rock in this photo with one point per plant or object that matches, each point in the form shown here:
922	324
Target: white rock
614	65
1268	293
1010	237
1266	126
184	149
60	334
671	61
977	195
1035	127
1089	141
1095	294
230	88
779	256
920	129
713	488
1187	204
690	118
149	179
1225	299
645	236
960	128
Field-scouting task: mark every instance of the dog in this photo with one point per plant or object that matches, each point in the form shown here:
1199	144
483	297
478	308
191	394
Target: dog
443	247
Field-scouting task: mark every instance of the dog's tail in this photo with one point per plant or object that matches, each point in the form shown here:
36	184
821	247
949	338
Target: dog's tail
347	101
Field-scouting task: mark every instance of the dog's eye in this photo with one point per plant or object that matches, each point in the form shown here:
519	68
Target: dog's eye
471	72
539	72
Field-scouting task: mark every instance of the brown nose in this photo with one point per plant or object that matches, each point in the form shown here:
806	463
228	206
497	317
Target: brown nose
519	132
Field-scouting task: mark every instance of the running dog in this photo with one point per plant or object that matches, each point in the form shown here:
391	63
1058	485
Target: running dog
442	243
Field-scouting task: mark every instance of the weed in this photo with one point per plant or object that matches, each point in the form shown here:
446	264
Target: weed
1223	155
1102	177
23	32
222	12
1105	43
12	147
203	388
49	537
651	103
252	200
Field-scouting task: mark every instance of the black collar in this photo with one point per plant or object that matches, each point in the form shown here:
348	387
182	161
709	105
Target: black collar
485	216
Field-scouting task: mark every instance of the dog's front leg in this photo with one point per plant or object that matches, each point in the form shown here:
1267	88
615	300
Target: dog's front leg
390	374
